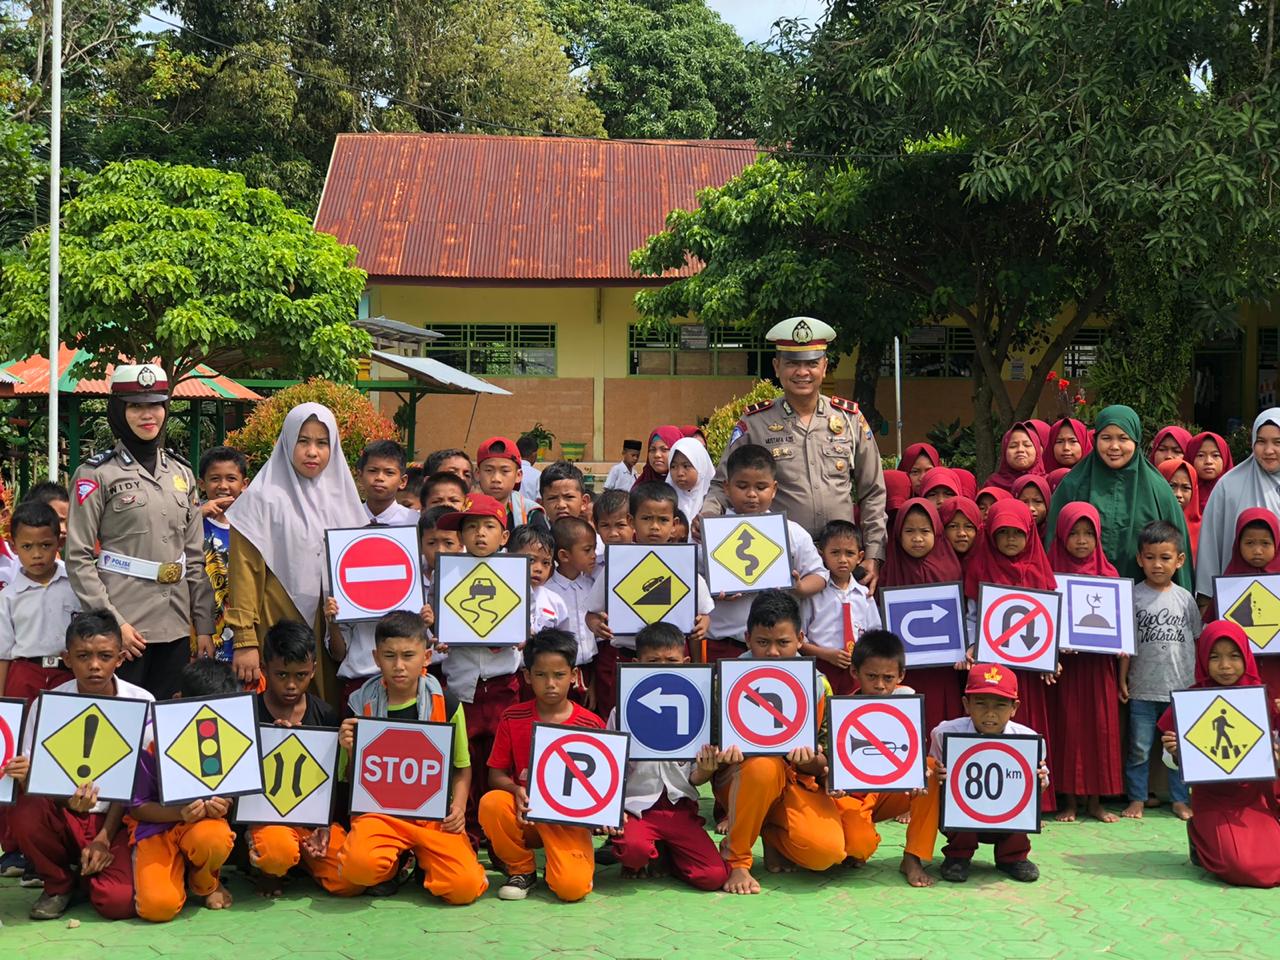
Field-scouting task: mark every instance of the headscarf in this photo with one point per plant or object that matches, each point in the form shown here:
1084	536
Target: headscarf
1127	499
940	477
1081	432
939	565
999	493
693	450
1094	565
1183	438
146	452
1248	485
1046	494
669	435
1238	564
1205	487
1056	476
965	505
1005	475
897	487
1212	633
1042	431
285	515
968	482
913	453
1190	512
1028	569
693	430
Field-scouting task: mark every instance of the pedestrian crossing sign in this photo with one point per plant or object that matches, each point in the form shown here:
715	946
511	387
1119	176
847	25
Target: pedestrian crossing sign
1224	734
747	554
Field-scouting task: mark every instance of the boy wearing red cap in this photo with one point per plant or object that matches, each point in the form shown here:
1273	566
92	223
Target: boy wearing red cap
485	679
498	474
990	700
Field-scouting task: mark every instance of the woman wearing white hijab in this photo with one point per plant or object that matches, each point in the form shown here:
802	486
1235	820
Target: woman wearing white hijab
1253	483
276	569
696	461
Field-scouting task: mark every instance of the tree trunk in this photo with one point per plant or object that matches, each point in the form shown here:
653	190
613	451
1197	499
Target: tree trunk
983	432
866	374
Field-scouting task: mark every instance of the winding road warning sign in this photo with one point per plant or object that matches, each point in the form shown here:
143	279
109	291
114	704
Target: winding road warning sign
768	706
1018	627
992	783
878	743
576	775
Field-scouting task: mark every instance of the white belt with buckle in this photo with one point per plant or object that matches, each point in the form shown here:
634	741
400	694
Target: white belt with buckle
142	569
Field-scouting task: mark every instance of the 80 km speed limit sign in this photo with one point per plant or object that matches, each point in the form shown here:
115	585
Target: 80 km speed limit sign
992	783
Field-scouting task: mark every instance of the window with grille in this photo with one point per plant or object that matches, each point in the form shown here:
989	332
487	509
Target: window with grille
729	353
1082	352
496	349
934	351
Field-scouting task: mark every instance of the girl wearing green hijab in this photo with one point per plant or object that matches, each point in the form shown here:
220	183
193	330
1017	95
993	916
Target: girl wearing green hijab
1127	490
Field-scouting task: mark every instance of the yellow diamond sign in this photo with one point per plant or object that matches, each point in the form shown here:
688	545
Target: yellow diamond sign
747	553
1258	613
292	774
1224	734
482	599
651	589
87	746
208	747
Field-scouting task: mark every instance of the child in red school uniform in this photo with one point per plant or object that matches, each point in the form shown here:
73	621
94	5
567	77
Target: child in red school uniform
1010	553
1069	443
940	485
1235	827
1209	454
962	525
1021	453
1035	493
1086	760
920	553
1183	482
989	496
1170	442
1257	537
917	460
968	482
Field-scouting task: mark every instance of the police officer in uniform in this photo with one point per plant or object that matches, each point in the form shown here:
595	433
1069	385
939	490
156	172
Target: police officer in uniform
822	446
135	542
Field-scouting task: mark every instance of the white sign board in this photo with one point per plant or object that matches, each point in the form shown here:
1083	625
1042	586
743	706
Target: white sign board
576	775
1224	734
482	601
1018	627
747	554
992	783
768	707
374	571
877	744
401	768
651	584
82	740
1097	614
299	765
207	748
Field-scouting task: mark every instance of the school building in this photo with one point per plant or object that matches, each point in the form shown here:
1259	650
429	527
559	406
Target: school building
514	250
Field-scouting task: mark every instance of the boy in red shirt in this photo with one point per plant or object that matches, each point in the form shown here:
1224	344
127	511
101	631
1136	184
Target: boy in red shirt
549	669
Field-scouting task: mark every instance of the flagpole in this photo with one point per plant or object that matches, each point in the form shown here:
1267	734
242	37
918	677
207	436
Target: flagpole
55	218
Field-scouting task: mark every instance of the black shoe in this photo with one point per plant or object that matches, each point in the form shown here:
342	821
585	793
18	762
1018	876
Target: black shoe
517	886
404	870
606	856
1024	871
954	871
30	878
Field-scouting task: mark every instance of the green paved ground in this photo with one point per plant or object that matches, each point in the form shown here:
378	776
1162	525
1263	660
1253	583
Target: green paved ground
1124	890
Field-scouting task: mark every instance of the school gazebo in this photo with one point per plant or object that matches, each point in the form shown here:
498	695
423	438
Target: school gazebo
207	392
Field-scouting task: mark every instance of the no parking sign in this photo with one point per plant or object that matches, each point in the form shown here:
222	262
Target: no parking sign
576	775
666	708
768	707
993	783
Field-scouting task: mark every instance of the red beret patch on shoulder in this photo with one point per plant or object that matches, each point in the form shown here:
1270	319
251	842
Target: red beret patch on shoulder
84	490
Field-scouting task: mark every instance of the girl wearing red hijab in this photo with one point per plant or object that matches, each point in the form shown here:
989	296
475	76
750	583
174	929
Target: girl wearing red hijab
1086	760
920	553
1182	480
1021	452
897	489
1069	443
916	461
1055	477
1211	457
939	485
1235	827
1035	493
1042	431
962	524
989	496
1010	553
657	464
1170	442
968	482
1257	537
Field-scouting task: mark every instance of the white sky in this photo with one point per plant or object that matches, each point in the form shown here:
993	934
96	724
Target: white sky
754	19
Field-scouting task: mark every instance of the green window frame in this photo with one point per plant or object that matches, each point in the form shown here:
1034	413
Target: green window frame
934	351
496	349
730	352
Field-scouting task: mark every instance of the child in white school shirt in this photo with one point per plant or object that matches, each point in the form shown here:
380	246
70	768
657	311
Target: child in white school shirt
843	611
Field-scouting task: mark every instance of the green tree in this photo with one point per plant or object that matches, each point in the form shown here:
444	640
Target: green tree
188	266
665	69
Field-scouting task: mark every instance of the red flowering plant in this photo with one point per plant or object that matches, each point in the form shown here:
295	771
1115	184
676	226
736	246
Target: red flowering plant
359	423
1068	404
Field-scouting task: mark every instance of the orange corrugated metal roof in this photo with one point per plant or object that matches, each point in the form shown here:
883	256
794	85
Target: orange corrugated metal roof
32	376
471	207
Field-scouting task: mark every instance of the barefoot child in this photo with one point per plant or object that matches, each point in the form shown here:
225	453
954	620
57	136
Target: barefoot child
779	800
179	846
880	664
843	611
663	829
1086	759
1163	659
990	702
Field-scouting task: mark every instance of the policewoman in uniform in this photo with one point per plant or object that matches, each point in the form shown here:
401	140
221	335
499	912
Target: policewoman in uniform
822	446
135	538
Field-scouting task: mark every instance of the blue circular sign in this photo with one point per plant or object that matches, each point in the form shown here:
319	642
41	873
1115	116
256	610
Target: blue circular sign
665	712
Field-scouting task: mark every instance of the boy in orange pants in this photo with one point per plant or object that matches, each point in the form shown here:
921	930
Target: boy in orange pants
177	846
779	799
378	846
549	659
879	664
288	652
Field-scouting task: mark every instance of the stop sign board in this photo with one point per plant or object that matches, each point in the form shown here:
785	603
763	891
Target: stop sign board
402	768
11	717
374	570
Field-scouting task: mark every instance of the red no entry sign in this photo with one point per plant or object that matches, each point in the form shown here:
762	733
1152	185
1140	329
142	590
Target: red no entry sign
377	573
886	737
782	701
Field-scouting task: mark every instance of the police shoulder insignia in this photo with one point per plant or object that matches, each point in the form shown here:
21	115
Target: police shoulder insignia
757	408
848	406
98	459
